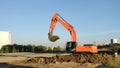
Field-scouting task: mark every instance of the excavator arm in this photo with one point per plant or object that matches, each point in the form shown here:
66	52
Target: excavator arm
57	18
72	45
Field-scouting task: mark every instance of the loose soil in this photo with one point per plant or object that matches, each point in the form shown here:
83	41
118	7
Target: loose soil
35	60
77	58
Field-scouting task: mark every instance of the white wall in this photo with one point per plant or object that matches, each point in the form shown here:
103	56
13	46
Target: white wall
113	41
4	38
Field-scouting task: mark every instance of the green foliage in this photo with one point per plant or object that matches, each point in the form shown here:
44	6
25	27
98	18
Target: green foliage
104	46
49	49
33	48
111	63
40	48
117	48
57	48
14	50
26	48
6	49
22	49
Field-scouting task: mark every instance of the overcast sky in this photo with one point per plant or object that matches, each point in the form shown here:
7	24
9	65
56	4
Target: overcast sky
29	20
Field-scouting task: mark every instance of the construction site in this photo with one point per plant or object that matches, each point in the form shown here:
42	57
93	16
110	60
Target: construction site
59	34
48	60
74	56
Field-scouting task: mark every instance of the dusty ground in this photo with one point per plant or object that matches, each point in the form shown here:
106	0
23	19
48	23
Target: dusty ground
23	60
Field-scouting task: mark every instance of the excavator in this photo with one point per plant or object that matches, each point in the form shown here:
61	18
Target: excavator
71	46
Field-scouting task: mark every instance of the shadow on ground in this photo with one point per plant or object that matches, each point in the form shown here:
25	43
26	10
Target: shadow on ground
100	66
6	65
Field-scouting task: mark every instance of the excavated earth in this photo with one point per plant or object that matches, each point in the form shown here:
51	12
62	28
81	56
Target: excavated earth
77	58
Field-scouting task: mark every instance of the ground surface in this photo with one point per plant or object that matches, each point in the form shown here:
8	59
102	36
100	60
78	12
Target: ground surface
25	60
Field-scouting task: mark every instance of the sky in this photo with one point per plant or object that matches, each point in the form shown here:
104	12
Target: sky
95	21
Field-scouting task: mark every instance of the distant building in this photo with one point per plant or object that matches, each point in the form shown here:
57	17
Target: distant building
113	41
5	38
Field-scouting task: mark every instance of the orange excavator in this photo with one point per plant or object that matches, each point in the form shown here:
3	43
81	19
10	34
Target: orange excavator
71	46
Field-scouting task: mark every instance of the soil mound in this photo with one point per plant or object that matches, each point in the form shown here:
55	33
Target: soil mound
77	58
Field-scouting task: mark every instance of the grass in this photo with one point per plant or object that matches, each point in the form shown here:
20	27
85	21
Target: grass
113	62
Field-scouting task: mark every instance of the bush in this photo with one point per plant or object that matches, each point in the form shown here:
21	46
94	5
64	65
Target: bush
104	46
117	48
113	62
50	49
26	48
40	48
58	48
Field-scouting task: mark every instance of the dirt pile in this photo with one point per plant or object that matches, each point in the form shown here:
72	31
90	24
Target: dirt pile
77	58
41	60
82	58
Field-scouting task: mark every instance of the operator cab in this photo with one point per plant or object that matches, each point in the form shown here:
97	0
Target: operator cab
70	46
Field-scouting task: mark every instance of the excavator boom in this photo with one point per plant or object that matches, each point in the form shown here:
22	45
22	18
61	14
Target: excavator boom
57	18
72	45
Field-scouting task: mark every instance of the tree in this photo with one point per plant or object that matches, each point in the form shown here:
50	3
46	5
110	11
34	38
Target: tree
33	48
117	48
22	49
7	48
29	48
58	48
54	48
3	49
49	49
14	49
42	48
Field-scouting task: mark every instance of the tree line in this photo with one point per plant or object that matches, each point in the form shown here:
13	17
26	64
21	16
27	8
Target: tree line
28	48
115	47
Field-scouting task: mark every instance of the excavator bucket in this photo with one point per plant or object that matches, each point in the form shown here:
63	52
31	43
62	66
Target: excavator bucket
53	38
